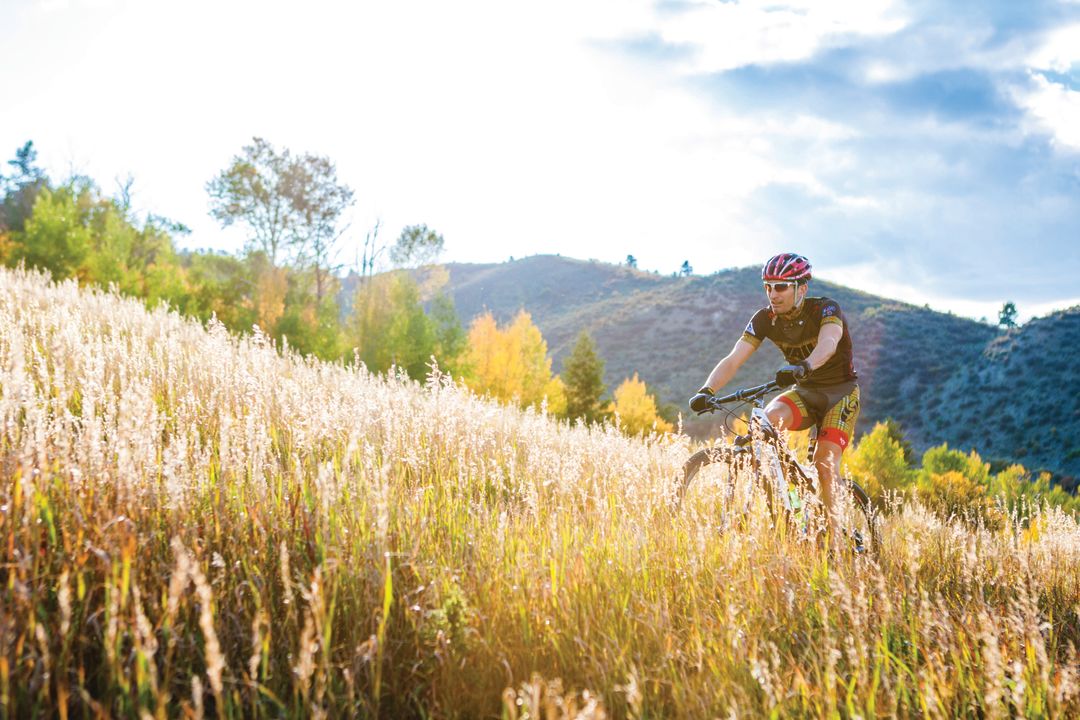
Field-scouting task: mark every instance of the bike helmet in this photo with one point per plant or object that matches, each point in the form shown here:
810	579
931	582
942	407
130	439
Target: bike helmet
786	266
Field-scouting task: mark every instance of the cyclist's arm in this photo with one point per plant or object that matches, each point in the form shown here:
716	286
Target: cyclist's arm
828	340
726	368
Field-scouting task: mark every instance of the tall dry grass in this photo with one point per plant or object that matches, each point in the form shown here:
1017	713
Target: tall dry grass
193	524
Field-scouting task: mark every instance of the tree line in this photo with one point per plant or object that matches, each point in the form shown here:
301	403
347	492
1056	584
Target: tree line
287	283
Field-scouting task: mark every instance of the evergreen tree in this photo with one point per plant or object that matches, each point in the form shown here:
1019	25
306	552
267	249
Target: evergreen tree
1007	315
20	189
583	374
897	434
25	163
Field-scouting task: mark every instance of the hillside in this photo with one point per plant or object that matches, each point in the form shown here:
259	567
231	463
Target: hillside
943	378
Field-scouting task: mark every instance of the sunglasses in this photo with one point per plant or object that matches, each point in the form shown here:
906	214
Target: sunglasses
778	286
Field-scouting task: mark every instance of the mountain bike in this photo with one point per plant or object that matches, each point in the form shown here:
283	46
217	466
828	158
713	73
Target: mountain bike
765	466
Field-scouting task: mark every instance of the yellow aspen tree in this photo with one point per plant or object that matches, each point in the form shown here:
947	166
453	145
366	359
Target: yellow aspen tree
555	392
511	363
533	371
7	246
481	350
636	408
271	287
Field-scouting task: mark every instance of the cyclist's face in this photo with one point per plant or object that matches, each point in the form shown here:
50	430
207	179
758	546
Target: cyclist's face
781	296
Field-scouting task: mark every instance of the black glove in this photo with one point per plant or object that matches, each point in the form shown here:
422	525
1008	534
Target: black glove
700	402
788	374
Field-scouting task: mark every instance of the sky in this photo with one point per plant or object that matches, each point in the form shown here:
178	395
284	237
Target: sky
924	151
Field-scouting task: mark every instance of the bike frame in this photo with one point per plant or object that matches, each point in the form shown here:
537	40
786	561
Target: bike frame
766	443
776	454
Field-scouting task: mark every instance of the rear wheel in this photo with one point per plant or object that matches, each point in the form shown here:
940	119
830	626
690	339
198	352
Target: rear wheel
864	525
858	519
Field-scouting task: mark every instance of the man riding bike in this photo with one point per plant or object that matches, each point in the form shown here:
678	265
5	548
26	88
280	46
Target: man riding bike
814	338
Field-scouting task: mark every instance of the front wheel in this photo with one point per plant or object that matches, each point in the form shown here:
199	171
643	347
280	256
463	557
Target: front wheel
692	467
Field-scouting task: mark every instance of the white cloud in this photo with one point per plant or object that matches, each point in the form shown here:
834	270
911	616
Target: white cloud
941	48
1053	108
884	279
732	35
1059	52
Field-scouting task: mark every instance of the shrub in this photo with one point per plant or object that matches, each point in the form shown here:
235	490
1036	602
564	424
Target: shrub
877	463
952	493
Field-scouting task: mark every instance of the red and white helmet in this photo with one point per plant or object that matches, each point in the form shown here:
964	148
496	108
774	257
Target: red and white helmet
786	266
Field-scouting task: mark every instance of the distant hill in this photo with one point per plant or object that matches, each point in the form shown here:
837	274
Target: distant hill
1008	395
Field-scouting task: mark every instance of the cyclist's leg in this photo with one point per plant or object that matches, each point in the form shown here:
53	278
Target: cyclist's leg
789	411
834	435
827	461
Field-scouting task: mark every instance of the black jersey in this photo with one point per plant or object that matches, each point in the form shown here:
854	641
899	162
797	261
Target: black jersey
797	337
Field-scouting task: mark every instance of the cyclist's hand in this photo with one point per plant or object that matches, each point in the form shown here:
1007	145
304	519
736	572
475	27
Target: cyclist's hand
700	402
788	374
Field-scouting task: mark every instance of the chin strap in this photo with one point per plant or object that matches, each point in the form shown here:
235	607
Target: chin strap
799	301
794	312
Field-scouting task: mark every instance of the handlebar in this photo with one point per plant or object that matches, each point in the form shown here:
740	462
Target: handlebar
745	395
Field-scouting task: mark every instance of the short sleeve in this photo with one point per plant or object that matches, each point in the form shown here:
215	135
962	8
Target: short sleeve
830	313
757	328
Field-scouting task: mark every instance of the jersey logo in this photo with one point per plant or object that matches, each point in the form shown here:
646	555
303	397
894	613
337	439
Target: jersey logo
828	311
795	353
750	328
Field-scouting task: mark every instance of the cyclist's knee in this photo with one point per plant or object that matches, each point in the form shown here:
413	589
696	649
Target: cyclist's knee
837	438
780	415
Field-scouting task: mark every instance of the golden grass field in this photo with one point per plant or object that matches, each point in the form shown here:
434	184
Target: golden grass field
198	525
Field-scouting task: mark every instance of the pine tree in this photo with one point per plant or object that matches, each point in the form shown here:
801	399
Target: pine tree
1007	315
583	373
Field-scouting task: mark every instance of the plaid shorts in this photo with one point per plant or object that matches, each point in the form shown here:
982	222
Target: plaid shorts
833	408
